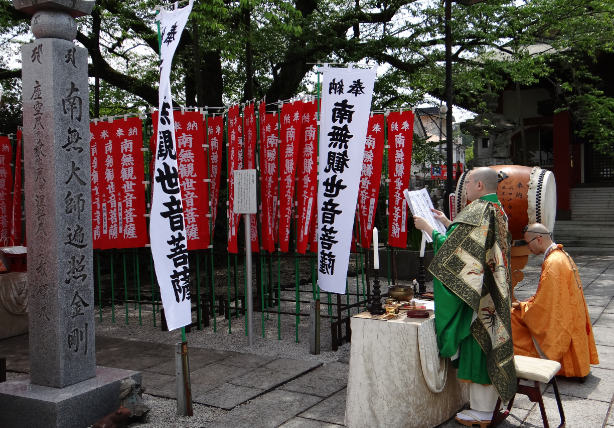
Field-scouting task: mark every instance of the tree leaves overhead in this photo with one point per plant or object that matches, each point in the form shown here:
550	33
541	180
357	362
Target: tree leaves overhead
559	44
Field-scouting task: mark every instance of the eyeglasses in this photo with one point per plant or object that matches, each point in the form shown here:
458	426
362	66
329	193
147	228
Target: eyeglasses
526	229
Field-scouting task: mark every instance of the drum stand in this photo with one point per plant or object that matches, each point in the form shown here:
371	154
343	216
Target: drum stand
520	257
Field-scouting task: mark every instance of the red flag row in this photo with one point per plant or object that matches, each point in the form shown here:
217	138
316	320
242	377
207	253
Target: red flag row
288	172
6	184
288	158
118	193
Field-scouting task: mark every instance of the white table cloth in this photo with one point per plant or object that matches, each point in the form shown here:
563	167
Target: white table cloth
386	386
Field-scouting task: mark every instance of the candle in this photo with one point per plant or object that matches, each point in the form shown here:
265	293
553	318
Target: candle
375	249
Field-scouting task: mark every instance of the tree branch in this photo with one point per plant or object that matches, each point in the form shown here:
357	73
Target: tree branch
10	74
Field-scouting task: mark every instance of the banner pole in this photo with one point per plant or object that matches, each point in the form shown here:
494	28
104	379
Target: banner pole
248	275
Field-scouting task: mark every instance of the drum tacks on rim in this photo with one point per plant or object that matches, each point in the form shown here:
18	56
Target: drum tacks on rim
527	195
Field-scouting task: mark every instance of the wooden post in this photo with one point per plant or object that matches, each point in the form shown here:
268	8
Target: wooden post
182	373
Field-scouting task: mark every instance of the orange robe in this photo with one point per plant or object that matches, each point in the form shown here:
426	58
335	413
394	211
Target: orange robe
557	317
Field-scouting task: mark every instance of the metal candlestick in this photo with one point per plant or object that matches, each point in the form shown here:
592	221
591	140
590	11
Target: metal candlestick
376	307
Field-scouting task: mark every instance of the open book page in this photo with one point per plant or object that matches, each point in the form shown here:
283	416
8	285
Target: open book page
420	204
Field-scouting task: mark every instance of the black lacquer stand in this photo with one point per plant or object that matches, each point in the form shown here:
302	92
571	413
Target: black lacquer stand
421	278
376	307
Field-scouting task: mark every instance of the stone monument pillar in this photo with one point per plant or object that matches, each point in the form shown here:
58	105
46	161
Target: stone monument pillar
59	204
59	229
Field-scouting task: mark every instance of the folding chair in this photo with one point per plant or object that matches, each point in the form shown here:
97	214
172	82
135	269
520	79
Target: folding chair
536	370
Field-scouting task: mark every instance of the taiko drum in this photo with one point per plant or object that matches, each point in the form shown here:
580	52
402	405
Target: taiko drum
527	195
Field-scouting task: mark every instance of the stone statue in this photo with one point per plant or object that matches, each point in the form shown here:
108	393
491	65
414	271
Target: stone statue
130	394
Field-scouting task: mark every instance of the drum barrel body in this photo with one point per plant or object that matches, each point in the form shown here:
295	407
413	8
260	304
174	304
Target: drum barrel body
513	192
527	195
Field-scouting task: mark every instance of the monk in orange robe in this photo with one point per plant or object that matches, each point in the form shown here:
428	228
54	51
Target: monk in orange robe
554	323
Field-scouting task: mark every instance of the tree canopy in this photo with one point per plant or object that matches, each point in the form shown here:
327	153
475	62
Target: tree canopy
232	51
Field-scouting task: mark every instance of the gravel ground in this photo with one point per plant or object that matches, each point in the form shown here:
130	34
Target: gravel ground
163	414
282	337
15	375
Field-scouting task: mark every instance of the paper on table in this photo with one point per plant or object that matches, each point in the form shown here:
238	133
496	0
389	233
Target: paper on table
429	304
420	204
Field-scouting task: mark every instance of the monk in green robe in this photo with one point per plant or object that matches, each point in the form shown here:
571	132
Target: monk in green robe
472	283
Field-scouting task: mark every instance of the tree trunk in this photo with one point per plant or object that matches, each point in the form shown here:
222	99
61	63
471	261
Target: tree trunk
249	70
96	33
197	75
190	90
213	81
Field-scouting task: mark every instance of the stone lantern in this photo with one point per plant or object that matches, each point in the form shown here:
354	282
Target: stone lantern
492	134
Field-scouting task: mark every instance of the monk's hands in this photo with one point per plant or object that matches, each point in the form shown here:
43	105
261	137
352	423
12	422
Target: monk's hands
441	217
515	304
422	224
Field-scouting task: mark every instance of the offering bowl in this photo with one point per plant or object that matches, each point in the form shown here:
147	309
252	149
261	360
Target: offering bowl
401	292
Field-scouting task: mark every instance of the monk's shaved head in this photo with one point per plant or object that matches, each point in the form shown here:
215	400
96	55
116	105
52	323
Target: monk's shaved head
488	177
537	228
538	238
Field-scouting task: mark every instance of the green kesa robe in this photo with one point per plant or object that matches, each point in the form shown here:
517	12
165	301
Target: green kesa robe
477	281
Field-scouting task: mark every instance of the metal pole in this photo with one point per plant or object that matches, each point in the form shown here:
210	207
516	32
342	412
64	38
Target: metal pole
248	275
449	181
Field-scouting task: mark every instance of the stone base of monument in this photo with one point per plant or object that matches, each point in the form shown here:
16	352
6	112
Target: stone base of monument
77	406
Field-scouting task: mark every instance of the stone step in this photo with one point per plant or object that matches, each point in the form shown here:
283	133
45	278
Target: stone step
607	190
588	244
575	224
581	214
584	230
594	201
592	213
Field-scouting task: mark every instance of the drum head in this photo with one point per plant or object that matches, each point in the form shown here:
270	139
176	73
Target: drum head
461	193
546	197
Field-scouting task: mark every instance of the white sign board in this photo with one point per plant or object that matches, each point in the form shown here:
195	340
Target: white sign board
420	204
245	201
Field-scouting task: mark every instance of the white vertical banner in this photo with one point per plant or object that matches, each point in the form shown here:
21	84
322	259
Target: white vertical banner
169	244
346	103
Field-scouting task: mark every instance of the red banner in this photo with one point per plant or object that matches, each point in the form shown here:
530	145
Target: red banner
235	162
370	178
97	181
130	173
291	118
400	137
16	213
108	158
268	174
215	140
6	183
191	161
251	136
307	175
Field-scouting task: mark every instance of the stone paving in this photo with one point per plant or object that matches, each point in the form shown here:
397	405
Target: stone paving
246	390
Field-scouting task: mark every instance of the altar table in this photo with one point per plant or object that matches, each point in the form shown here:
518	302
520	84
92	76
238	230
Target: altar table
386	387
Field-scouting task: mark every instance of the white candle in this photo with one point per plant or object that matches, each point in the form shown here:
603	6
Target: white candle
375	249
